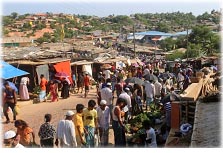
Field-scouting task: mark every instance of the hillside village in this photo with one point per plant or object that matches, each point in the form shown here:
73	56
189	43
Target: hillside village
34	26
81	37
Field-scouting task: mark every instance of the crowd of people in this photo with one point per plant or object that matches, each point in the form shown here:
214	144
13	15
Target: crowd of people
79	129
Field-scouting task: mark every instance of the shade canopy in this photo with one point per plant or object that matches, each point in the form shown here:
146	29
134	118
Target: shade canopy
8	71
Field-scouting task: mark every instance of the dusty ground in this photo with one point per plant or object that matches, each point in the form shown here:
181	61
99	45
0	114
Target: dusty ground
33	114
207	131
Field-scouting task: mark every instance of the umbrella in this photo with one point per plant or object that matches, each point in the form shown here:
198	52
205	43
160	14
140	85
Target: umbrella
12	85
61	75
106	66
166	75
134	80
151	77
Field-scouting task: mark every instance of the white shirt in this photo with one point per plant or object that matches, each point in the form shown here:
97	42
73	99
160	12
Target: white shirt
150	89
66	133
107	74
158	87
180	77
103	117
106	94
125	96
24	80
19	146
151	135
146	71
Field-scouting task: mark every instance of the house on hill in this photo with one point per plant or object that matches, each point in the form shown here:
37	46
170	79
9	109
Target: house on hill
16	42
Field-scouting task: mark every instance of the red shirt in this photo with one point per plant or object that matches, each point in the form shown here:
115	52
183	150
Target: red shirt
86	81
43	84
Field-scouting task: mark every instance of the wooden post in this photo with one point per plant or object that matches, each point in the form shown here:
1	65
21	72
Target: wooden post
175	115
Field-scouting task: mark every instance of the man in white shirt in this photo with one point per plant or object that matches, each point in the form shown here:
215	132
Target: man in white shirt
11	140
107	74
126	96
103	122
180	80
106	94
66	132
146	71
150	135
158	87
150	92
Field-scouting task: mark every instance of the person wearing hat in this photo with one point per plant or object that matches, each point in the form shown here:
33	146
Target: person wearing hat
47	132
66	132
103	122
107	95
11	140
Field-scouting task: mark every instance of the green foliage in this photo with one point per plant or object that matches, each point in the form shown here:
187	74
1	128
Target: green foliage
204	38
194	50
46	38
123	20
163	27
40	26
26	26
14	15
36	90
181	42
175	55
137	121
5	31
7	20
52	25
167	44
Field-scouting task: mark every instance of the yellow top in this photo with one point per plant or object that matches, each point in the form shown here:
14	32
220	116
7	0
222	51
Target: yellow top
78	122
89	117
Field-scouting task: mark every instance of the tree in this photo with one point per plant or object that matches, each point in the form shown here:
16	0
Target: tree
175	55
205	38
7	20
194	50
27	26
163	27
167	44
5	31
14	15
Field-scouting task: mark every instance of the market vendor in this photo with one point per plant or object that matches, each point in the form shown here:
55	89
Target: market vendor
117	124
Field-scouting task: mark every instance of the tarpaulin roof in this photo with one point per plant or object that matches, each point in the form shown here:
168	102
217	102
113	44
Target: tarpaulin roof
9	71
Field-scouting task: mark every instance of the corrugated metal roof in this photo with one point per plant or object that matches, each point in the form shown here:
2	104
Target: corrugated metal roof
83	62
138	37
154	33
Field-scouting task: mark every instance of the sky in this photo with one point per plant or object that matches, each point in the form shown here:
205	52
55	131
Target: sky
108	7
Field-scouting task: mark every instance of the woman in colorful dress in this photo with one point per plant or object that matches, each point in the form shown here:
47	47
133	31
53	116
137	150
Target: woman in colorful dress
23	90
53	91
25	133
